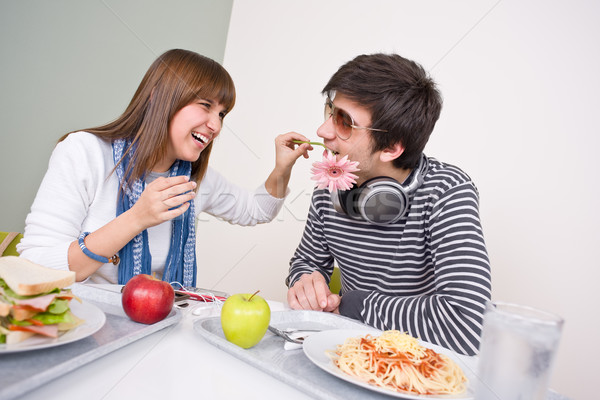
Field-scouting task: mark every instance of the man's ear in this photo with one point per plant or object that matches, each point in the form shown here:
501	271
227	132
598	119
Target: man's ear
391	153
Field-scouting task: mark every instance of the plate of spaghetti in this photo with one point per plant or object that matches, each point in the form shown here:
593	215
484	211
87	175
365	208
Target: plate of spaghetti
389	362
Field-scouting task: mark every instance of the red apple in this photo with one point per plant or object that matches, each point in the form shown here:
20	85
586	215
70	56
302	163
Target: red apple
146	299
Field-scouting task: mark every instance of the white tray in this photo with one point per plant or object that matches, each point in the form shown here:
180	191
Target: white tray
292	366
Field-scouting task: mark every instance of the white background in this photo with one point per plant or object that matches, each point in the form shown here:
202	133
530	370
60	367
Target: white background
520	84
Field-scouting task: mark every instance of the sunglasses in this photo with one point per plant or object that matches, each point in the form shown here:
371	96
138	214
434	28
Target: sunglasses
343	122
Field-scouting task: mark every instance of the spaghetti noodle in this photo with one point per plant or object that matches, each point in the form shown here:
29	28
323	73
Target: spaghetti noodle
397	361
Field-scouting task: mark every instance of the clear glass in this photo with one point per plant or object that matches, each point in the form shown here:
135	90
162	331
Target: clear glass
518	347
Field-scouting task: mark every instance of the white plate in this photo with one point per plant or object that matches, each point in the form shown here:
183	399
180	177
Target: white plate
94	320
316	345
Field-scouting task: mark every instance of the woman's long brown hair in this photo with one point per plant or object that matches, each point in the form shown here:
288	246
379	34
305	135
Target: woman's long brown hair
176	79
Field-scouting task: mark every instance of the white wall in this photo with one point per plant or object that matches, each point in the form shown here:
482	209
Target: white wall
520	82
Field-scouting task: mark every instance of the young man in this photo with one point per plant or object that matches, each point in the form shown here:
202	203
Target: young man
410	247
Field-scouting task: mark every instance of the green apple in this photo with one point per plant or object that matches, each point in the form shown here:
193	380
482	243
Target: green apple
245	319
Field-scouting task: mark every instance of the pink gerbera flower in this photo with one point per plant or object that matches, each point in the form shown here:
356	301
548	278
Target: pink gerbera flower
333	174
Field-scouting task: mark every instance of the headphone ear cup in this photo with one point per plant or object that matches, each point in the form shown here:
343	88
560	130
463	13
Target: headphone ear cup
351	204
337	199
382	201
345	202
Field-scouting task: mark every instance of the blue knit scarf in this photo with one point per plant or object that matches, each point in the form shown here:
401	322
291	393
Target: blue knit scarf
135	256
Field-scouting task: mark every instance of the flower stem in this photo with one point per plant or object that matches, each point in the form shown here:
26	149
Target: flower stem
315	143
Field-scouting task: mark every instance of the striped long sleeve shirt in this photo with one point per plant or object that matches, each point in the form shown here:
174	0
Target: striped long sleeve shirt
427	275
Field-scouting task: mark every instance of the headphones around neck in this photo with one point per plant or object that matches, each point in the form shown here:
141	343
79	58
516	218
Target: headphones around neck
381	200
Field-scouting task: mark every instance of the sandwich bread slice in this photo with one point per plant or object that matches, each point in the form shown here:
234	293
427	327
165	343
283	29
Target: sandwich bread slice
33	300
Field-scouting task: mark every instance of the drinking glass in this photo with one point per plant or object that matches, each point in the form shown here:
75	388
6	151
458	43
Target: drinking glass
518	345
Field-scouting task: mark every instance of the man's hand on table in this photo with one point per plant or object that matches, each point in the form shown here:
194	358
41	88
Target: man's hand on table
311	292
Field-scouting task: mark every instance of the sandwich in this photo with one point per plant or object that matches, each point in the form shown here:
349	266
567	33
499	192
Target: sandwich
33	300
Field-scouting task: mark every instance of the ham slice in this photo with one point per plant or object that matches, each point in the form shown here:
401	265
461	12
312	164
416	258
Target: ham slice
40	303
45	330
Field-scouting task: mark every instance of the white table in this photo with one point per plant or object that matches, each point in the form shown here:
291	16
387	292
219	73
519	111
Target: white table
173	363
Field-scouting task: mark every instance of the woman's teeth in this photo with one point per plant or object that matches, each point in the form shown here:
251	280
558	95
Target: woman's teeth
201	138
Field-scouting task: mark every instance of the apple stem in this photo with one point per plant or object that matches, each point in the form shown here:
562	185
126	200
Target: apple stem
255	293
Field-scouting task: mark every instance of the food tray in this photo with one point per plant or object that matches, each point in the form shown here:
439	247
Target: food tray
21	372
293	367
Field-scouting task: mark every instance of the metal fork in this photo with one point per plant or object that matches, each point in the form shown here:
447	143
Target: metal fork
285	334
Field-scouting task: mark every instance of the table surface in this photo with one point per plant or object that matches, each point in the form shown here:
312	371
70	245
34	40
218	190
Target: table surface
173	361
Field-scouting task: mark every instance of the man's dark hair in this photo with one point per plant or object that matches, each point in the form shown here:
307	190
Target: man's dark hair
401	97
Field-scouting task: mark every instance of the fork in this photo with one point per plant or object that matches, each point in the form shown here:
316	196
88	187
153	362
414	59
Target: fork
285	334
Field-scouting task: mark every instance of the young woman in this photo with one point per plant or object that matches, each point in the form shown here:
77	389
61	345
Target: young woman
122	199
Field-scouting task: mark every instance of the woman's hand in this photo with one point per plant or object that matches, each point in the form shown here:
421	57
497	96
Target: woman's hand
163	200
286	154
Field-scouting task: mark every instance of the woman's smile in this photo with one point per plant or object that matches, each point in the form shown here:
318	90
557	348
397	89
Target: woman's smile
203	139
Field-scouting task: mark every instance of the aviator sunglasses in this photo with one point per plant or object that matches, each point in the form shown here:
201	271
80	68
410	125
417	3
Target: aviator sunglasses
343	122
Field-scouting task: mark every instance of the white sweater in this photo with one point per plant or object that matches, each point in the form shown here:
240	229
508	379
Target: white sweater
79	194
